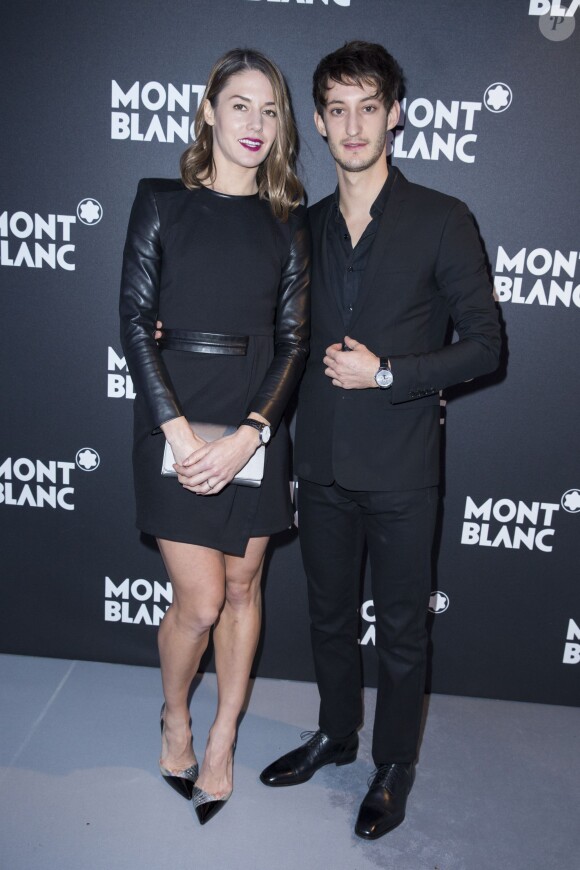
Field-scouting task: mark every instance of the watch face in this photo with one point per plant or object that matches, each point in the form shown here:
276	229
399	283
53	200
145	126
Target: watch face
384	378
266	434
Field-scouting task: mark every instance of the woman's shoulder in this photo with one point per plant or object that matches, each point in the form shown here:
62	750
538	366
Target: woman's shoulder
160	196
156	199
162	184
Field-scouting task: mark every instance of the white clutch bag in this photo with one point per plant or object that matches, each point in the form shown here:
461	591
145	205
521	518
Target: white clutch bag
250	475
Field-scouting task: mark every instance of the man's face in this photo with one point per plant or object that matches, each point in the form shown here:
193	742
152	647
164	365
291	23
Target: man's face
355	123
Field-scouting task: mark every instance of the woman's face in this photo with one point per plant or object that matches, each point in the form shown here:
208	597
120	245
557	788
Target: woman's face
244	121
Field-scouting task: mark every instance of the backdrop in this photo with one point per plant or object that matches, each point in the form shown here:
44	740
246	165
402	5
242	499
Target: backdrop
99	94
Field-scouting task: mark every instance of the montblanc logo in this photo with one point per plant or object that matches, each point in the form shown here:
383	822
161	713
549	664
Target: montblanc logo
446	129
44	240
571	501
515	525
89	212
136	601
556	22
158	112
87	459
498	97
537	277
572	645
35	483
553	7
119	381
438	602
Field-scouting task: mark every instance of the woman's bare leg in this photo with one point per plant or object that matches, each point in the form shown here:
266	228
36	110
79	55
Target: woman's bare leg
235	640
197	577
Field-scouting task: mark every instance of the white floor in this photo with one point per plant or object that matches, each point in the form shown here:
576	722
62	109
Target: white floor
497	788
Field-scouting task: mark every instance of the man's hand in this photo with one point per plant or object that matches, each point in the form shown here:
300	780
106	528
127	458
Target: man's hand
354	369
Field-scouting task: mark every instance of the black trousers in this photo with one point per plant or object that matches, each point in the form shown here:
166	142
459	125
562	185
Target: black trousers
398	528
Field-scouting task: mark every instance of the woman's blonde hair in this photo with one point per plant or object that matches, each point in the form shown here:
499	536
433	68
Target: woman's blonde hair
276	178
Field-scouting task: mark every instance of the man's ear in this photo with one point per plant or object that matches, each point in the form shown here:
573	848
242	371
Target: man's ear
394	115
319	122
208	113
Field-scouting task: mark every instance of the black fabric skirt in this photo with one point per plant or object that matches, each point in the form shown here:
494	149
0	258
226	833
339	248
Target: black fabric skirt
213	389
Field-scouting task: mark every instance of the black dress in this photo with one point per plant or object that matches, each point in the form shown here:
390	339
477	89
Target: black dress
207	262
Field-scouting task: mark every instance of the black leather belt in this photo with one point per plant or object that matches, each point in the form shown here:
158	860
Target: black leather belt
204	342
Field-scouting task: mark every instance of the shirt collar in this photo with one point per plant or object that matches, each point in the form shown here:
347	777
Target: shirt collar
378	206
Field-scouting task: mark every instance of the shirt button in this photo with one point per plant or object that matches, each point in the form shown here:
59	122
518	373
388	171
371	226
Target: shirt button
349	269
346	236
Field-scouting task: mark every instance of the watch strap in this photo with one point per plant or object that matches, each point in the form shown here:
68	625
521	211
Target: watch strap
263	429
255	424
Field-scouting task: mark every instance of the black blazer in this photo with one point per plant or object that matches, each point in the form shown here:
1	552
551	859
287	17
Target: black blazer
426	266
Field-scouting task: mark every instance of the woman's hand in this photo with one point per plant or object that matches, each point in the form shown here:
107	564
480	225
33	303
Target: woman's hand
215	464
184	443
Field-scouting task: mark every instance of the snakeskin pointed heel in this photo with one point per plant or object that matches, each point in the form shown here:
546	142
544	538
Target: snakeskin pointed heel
207	805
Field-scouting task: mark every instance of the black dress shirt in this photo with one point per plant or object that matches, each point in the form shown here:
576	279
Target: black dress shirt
346	265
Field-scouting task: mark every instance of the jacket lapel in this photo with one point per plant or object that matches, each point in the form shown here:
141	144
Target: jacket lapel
387	224
322	247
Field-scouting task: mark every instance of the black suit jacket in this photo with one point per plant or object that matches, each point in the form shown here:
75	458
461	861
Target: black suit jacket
426	266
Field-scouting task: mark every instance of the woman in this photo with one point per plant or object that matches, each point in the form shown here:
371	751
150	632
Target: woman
222	258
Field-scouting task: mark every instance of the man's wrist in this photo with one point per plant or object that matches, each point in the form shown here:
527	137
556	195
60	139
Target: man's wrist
383	375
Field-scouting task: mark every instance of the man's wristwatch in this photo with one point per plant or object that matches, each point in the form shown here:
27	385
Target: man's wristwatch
262	428
384	376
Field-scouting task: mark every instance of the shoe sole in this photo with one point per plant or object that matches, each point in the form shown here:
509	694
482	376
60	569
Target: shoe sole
348	760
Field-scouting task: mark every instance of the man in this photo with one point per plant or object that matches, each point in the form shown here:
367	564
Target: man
392	261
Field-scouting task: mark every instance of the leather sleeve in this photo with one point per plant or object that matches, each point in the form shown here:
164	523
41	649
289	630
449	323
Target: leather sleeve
138	307
464	286
292	329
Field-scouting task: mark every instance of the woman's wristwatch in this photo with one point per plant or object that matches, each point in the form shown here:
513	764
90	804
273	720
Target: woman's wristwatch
262	428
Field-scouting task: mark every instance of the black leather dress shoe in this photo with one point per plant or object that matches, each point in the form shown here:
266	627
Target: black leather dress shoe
302	763
383	807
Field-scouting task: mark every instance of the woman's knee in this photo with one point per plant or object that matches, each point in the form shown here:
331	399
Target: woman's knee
196	618
242	589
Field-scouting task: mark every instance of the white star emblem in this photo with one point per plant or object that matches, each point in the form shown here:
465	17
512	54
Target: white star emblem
87	459
438	602
89	211
498	97
571	501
